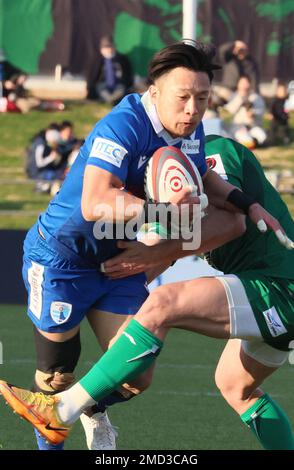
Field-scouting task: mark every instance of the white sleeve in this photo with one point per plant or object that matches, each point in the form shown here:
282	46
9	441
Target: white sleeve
234	104
41	161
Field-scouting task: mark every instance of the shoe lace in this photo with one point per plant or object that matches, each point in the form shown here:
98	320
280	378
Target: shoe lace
104	428
41	400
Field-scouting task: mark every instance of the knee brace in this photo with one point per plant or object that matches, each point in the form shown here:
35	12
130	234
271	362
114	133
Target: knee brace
55	363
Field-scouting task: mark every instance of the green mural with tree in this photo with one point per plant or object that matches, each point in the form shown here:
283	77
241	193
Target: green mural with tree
140	28
26	26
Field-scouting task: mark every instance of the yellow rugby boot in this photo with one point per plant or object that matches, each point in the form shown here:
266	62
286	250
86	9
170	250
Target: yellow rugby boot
39	409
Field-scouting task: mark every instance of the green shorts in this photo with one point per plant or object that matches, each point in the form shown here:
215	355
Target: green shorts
272	302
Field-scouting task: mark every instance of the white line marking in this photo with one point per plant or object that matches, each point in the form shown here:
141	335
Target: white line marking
197	394
185	366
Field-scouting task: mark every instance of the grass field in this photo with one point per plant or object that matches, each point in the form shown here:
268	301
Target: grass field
182	410
20	205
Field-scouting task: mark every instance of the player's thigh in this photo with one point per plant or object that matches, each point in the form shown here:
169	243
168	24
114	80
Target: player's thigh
271	302
198	305
239	374
107	326
110	315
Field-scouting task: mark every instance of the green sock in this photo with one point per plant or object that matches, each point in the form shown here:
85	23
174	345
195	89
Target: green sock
131	354
270	424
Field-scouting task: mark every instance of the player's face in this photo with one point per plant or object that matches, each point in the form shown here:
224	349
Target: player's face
181	98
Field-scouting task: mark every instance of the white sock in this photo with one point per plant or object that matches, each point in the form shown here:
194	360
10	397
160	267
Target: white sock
72	402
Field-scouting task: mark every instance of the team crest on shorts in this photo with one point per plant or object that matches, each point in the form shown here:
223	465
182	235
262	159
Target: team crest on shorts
60	312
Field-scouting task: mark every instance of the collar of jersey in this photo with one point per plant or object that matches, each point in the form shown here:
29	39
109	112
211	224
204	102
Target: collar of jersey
151	112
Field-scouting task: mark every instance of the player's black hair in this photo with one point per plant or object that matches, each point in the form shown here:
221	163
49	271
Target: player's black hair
193	55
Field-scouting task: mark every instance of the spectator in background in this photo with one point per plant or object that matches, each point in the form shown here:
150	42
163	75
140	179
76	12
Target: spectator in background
212	122
237	62
11	86
111	76
71	157
2	71
14	97
67	138
7	70
15	92
45	163
247	109
279	128
73	154
289	104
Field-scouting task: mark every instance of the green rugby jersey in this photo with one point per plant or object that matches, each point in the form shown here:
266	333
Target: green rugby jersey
253	251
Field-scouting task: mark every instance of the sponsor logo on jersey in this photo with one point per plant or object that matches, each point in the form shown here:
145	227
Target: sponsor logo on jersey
142	161
190	146
215	163
60	312
274	322
108	151
35	278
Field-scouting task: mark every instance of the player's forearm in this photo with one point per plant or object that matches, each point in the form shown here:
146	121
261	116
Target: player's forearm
163	254
218	227
114	206
217	191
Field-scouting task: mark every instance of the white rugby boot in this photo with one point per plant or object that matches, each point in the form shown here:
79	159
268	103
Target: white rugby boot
100	434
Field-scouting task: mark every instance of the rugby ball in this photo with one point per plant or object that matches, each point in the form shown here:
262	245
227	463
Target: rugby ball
168	171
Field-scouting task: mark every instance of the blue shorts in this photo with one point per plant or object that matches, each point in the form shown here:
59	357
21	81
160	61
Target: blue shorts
60	292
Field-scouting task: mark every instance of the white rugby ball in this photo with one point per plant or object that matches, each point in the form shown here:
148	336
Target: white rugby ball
170	170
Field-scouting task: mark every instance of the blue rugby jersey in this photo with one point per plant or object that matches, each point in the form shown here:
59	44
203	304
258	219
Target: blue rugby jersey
121	143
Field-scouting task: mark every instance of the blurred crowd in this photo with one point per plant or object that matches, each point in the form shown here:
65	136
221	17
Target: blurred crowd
110	75
14	96
238	94
236	108
50	154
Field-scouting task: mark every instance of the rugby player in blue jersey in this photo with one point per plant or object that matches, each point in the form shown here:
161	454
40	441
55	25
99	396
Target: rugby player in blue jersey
62	255
64	250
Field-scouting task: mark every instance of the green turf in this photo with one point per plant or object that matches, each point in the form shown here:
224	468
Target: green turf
182	410
16	192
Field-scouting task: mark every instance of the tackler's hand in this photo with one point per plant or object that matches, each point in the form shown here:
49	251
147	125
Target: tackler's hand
265	221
